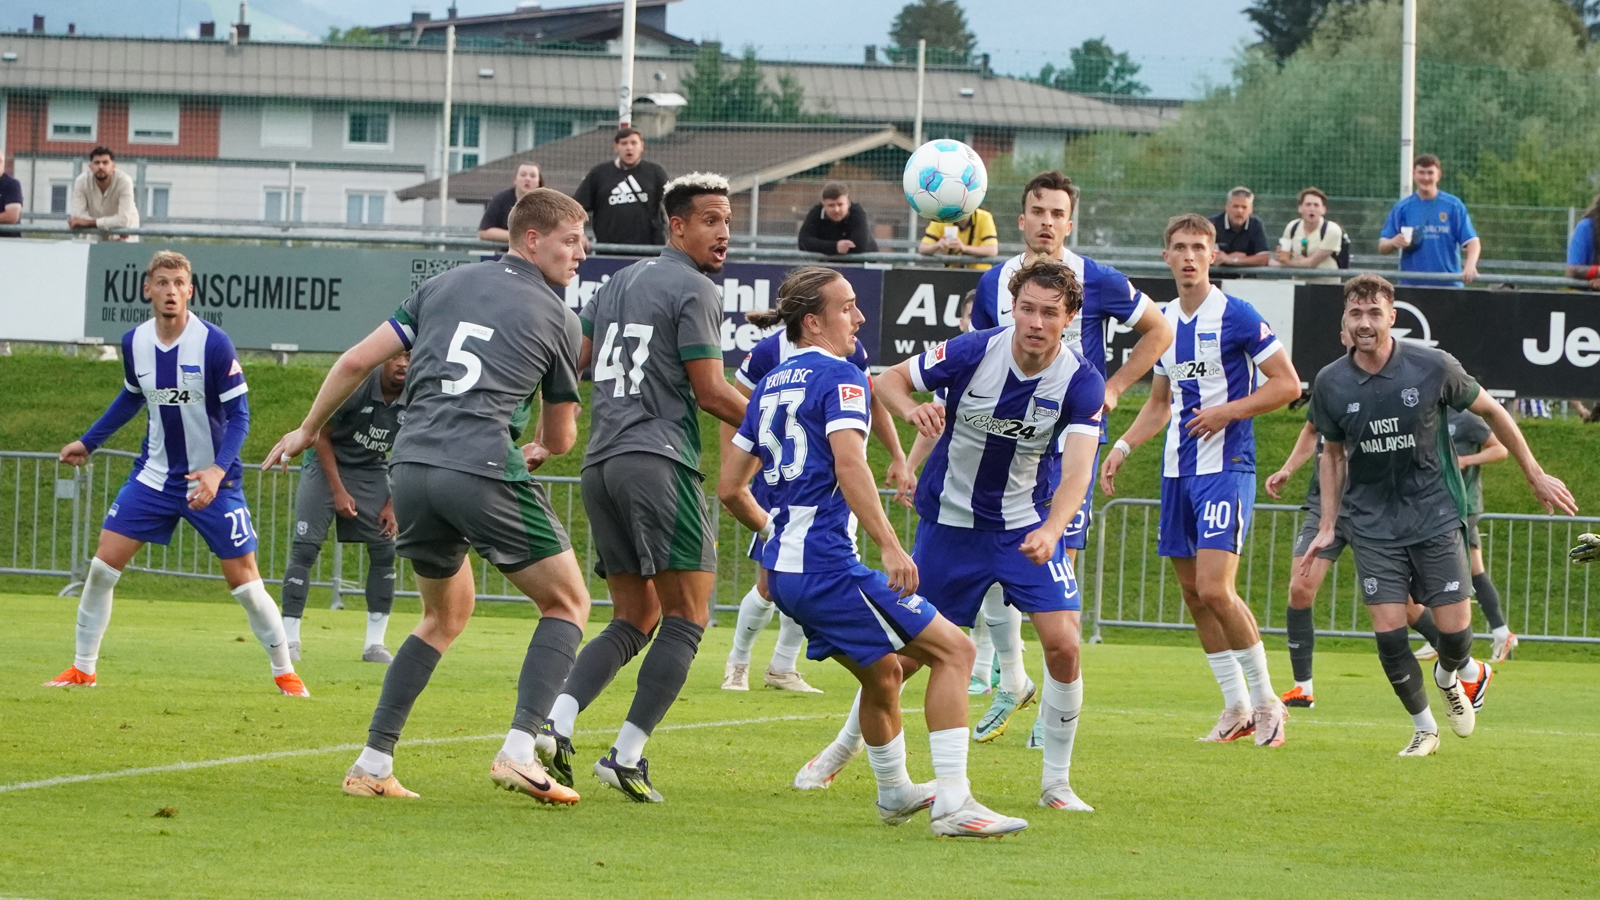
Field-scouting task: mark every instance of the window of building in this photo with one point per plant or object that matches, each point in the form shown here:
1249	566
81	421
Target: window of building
58	195
363	208
74	118
368	129
152	121
466	145
285	126
155	201
545	130
272	210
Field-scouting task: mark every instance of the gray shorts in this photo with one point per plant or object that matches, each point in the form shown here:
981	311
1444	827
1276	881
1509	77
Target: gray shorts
441	512
313	505
648	515
1308	531
1433	572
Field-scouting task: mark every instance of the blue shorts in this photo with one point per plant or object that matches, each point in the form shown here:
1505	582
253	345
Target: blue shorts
145	514
850	612
1076	535
956	566
1206	512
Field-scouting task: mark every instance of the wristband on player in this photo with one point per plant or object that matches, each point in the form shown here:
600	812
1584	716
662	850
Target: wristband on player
768	529
1123	446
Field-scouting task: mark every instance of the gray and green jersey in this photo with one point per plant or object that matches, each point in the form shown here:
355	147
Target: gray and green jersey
1469	433
363	430
645	323
483	339
1403	485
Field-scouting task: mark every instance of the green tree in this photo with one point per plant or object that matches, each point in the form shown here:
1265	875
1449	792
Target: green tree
942	23
1096	69
360	34
742	96
1285	25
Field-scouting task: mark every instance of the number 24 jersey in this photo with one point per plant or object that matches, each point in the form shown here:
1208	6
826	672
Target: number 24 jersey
791	414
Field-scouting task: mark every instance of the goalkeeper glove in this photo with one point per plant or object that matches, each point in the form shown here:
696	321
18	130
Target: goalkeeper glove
1588	549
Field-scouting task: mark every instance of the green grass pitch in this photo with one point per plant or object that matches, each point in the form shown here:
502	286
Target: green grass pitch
1508	812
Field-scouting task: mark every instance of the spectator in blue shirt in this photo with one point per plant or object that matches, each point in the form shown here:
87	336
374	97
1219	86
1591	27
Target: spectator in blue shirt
1431	228
1582	254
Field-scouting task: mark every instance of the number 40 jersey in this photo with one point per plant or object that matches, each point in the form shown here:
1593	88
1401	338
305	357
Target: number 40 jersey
791	414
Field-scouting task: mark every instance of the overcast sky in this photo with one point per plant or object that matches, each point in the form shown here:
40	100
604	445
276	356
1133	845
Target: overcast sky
1179	45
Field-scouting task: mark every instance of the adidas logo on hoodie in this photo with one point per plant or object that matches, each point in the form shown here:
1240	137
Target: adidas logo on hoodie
627	191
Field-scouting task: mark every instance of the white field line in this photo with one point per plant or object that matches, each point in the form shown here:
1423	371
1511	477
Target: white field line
687	726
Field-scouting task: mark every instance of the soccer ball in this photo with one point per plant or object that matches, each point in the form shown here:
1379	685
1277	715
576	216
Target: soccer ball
945	180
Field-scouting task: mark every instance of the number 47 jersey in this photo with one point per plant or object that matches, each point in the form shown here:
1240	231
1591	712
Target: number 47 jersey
791	415
483	339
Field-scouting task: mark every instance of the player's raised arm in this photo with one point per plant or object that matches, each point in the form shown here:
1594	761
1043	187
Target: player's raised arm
895	387
1150	421
348	372
1549	490
1305	446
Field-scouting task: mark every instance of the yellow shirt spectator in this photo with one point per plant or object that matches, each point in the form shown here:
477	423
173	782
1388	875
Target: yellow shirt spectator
974	234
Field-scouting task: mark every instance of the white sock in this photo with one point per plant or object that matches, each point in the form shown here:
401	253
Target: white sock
754	614
1442	678
1253	660
378	765
518	746
849	738
889	765
630	744
1305	686
291	629
791	637
377	628
1501	633
1230	678
949	751
267	623
1005	632
1424	721
1471	670
564	714
983	663
1062	704
94	614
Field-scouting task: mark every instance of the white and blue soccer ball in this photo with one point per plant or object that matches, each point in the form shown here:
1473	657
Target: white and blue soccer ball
945	180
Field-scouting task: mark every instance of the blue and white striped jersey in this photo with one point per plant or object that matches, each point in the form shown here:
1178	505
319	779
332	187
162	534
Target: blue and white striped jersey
1107	294
998	463
776	348
787	424
1213	361
188	390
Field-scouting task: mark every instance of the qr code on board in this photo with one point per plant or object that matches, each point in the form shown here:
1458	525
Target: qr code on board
423	269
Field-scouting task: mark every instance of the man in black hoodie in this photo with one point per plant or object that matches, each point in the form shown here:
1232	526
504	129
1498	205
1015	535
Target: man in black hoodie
836	226
623	196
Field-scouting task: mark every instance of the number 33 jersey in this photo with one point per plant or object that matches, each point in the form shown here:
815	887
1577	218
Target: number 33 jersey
645	323
998	463
483	339
791	414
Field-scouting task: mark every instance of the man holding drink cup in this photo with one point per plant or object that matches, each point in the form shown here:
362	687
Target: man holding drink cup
1431	229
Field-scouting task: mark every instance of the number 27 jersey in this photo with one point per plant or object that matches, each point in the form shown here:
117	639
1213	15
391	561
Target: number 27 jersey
791	414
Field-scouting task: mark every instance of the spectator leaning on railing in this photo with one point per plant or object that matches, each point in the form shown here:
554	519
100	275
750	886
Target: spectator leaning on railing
496	213
1241	238
1583	248
10	199
102	197
1431	229
974	235
836	226
1311	241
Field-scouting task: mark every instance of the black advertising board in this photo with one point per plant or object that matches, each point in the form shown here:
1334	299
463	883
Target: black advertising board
1531	343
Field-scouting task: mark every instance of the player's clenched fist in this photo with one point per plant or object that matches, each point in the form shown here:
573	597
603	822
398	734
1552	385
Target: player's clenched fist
1039	546
901	570
74	454
929	419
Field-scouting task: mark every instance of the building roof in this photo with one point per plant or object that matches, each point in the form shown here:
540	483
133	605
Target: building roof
531	18
415	75
744	154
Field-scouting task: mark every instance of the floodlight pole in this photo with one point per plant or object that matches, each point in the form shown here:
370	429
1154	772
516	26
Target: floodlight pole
630	10
1408	92
449	95
916	127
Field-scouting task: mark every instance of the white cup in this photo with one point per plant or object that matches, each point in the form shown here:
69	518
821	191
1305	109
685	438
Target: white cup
1406	230
1286	244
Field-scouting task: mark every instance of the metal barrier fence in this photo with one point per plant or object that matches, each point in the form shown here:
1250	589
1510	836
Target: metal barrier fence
56	513
1542	596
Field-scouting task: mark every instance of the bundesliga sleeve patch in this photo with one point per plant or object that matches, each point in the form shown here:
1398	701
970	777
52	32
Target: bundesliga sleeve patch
936	355
234	370
1265	331
853	398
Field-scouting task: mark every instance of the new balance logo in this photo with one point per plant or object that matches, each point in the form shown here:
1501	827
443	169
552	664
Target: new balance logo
627	191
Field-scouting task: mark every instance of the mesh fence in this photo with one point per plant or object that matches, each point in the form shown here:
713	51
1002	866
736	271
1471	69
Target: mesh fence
354	136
